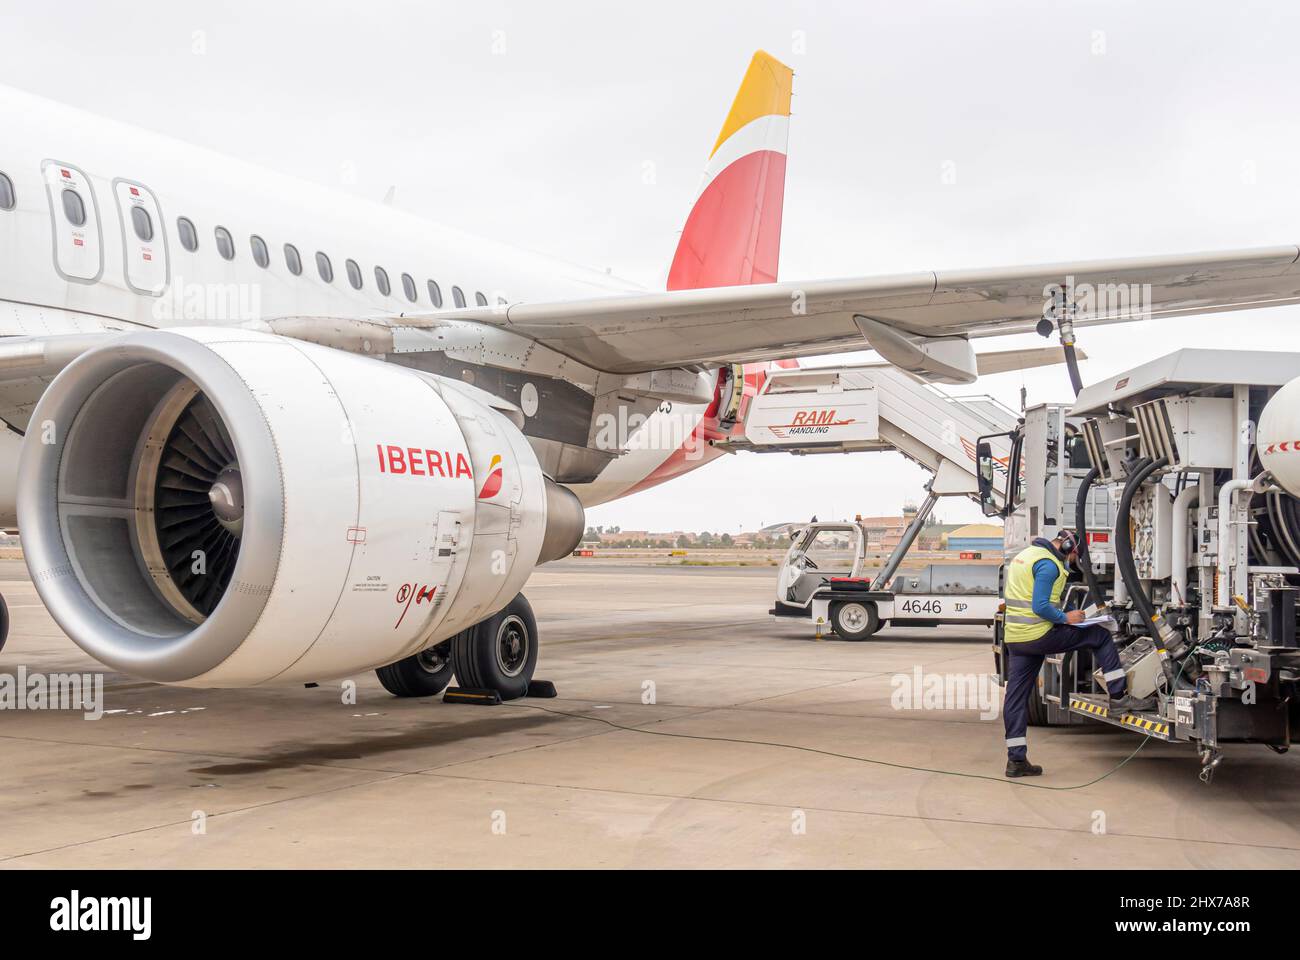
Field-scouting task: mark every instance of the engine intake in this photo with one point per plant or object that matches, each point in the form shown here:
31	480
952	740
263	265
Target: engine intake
219	507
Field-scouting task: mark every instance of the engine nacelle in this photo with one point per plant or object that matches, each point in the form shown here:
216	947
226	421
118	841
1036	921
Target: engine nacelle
217	507
1278	437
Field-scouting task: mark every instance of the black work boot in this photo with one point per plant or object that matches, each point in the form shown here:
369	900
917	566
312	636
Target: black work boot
1130	704
1022	768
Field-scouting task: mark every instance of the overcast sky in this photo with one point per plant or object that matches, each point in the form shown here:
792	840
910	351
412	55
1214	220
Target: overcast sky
1075	131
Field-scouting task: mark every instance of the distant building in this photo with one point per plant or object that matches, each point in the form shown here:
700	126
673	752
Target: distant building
623	536
883	533
977	537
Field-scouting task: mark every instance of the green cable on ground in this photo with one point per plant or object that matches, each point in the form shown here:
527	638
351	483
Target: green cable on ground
840	756
1014	782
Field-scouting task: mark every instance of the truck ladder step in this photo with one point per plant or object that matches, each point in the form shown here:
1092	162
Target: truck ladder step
1095	706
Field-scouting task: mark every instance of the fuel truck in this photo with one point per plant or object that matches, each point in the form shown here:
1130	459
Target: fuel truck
1181	477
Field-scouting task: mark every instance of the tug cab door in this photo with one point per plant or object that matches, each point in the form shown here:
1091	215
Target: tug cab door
820	551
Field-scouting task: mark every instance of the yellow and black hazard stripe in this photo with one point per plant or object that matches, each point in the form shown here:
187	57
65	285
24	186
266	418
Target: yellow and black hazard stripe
1087	706
1159	728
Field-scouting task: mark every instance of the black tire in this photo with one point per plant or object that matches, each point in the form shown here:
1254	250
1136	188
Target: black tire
500	653
424	675
1037	711
854	619
4	622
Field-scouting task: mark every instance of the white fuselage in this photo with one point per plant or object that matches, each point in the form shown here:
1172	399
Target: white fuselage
59	277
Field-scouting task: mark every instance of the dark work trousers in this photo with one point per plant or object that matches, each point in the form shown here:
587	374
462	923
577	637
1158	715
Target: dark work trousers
1026	659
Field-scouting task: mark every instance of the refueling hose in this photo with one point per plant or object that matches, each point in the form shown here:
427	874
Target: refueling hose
1160	631
1081	533
1124	539
1066	329
1072	364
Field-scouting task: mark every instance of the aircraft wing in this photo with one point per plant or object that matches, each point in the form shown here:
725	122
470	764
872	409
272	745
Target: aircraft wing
28	364
919	322
902	317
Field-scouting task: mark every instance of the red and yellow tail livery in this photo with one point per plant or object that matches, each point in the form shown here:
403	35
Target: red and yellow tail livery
732	237
733	233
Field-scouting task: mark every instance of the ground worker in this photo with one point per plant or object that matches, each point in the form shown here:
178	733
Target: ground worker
1036	626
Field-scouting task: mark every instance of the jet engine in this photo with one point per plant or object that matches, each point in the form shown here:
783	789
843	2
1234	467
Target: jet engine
218	507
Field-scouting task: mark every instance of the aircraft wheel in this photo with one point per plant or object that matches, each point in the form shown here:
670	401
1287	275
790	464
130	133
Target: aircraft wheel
4	621
854	619
500	653
425	674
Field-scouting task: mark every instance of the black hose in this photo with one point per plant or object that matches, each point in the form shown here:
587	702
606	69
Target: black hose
1124	542
1283	517
1072	364
1081	534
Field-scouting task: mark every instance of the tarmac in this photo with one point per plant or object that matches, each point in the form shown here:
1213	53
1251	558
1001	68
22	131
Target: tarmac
689	660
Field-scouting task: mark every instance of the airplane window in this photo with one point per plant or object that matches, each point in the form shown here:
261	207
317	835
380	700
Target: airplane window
354	274
457	296
435	293
324	267
6	193
225	243
381	281
143	223
502	300
480	299
73	208
189	236
408	287
261	255
292	260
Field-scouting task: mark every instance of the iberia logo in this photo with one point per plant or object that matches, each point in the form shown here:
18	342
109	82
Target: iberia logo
492	485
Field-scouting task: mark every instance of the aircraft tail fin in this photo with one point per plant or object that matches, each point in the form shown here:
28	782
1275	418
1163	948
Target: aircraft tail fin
733	232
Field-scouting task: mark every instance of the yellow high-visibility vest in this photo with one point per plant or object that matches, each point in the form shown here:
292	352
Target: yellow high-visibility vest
1021	623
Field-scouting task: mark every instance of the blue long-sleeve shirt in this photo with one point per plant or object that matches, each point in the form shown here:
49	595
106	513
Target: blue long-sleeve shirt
1045	574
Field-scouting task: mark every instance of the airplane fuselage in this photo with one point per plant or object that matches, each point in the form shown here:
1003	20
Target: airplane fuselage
114	228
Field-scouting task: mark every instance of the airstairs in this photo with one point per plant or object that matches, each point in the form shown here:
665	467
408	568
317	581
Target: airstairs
876	407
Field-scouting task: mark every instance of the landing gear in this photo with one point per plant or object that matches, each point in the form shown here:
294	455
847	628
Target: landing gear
497	655
4	622
854	619
500	653
424	675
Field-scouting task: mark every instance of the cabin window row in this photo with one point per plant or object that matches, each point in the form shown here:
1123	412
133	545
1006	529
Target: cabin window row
225	242
74	208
